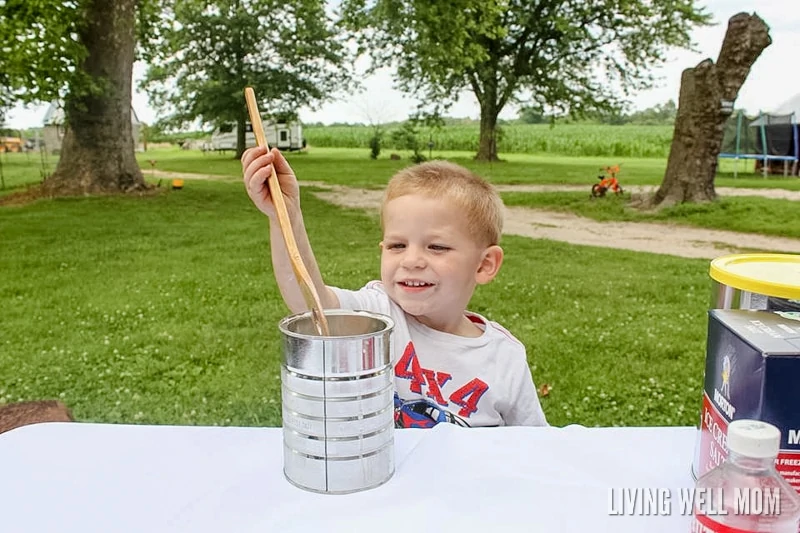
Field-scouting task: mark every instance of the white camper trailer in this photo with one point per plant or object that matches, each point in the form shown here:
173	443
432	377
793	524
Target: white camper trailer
284	136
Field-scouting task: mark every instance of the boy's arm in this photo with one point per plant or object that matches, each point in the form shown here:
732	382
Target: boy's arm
284	273
257	164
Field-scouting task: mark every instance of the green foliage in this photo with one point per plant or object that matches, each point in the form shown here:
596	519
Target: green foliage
206	52
660	114
531	115
41	57
149	16
156	133
573	58
564	139
375	143
407	138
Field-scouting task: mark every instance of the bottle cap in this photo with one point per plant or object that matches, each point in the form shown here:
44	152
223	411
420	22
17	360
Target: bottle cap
754	438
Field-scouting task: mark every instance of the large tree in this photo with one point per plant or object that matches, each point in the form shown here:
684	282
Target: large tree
708	93
209	51
80	52
565	56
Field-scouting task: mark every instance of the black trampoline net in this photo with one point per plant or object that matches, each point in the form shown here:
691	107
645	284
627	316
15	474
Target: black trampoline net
766	134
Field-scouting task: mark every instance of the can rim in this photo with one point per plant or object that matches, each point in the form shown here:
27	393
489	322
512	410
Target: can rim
385	319
719	272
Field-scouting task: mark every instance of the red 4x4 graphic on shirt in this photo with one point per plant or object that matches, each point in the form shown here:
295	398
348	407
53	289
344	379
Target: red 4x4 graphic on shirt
466	397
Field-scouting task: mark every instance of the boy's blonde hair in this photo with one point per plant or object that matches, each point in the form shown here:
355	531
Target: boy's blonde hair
442	179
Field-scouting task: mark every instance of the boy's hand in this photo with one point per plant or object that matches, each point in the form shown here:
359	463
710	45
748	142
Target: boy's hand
257	165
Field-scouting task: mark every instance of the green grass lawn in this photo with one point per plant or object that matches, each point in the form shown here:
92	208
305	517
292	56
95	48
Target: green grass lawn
164	310
350	166
353	167
21	169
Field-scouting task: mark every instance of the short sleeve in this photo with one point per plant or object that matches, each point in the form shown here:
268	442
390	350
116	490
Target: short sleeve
524	408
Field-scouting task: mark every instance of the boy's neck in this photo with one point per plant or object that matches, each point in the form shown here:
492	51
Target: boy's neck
463	327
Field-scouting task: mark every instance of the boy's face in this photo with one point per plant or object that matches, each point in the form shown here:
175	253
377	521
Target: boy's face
430	263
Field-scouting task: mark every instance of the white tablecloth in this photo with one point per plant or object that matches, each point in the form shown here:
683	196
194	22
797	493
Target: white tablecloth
117	478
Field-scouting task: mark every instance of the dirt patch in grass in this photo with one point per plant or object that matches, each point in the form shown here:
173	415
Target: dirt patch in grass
22	197
670	239
37	192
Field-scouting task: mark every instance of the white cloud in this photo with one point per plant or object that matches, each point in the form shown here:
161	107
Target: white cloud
770	83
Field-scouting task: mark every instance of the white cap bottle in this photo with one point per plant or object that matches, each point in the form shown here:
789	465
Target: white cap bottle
745	492
754	438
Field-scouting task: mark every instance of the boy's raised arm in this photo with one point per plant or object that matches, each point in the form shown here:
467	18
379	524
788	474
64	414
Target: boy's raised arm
257	166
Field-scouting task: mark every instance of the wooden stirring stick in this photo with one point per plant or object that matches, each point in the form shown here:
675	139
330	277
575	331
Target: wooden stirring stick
300	273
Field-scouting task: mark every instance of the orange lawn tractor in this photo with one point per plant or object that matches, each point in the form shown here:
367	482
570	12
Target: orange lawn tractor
608	181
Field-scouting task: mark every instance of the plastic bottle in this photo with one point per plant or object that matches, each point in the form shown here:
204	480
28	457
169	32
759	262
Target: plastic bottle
745	493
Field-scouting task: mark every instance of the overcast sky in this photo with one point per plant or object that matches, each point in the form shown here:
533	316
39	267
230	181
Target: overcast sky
772	81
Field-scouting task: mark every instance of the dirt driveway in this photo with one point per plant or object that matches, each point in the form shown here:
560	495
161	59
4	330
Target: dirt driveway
670	239
683	241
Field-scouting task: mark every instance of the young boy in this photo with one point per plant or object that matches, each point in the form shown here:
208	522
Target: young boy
441	228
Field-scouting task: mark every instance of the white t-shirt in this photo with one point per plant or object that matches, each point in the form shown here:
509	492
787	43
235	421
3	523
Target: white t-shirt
441	377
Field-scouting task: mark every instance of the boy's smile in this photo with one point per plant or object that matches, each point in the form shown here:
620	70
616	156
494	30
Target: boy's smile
430	264
413	286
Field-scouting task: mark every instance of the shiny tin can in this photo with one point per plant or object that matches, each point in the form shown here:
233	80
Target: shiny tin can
338	402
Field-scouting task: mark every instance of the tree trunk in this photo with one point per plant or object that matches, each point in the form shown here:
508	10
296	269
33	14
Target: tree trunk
487	146
241	132
708	92
97	153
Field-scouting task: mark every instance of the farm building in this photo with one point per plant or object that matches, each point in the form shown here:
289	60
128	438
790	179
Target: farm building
53	131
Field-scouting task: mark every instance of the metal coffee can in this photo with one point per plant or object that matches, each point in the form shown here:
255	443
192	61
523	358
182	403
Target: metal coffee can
337	396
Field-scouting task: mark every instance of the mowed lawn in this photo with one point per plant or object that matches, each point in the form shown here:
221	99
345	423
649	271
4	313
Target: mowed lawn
353	167
163	309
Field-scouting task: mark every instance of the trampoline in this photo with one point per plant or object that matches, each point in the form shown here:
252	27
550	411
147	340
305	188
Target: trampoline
769	139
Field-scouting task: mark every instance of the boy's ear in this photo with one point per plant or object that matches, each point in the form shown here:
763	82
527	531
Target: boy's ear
489	265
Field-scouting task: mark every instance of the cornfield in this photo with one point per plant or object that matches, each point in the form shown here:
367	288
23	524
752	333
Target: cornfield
562	139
